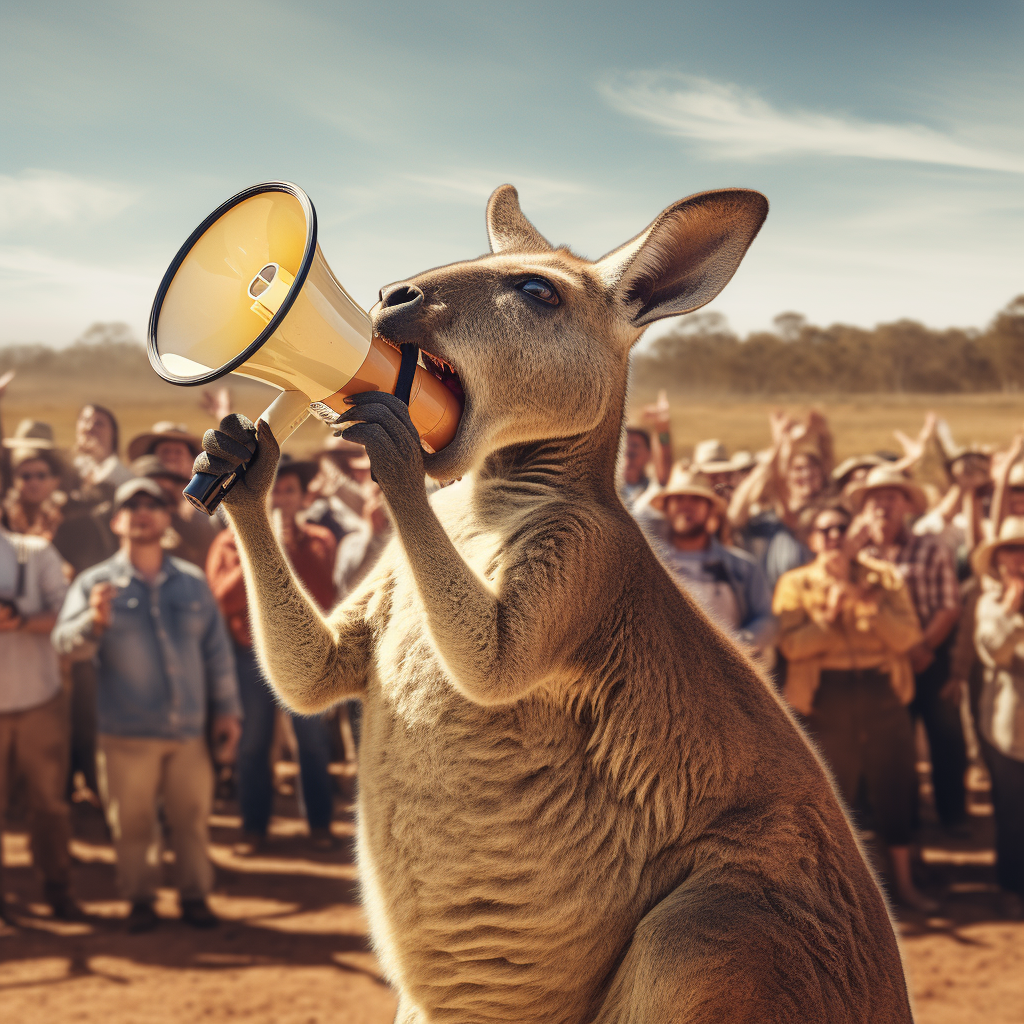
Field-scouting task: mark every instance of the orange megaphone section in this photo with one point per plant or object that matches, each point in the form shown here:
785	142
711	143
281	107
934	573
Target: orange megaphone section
434	409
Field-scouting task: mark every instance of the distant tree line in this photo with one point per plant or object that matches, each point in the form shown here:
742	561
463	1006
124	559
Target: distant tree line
703	355
105	349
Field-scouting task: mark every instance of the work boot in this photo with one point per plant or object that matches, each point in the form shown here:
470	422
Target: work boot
252	844
198	914
58	896
142	918
322	840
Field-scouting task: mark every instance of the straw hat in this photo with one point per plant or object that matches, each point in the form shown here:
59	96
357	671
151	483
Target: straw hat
711	457
847	466
149	466
165	430
742	460
886	476
1011	534
31	434
686	481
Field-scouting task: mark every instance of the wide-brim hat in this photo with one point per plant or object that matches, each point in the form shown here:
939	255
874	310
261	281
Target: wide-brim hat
150	466
847	466
305	469
685	481
1011	534
51	456
742	460
31	434
885	476
165	430
138	485
711	457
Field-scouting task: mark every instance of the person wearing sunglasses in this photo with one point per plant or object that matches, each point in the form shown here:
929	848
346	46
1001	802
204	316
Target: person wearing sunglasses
846	625
164	669
29	506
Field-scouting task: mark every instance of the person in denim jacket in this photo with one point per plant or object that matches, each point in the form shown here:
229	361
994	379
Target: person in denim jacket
164	663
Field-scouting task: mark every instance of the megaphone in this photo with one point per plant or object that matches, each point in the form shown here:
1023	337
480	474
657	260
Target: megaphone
250	293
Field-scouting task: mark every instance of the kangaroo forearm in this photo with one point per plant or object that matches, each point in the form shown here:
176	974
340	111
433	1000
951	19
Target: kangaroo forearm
310	661
489	660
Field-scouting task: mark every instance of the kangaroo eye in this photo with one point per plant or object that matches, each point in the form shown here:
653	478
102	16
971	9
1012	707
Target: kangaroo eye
540	289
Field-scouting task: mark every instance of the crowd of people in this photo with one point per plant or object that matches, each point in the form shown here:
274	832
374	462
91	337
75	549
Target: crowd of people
879	593
129	680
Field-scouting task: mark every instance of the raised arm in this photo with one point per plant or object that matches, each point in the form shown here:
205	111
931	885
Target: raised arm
312	662
498	641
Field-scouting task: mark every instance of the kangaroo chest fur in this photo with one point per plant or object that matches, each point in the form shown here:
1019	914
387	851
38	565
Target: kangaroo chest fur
501	866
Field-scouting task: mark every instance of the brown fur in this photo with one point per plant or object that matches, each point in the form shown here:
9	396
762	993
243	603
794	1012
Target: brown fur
578	800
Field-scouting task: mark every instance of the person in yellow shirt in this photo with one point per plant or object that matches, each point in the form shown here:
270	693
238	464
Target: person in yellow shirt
846	623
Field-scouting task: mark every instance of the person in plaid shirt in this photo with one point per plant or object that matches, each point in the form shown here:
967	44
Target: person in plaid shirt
885	501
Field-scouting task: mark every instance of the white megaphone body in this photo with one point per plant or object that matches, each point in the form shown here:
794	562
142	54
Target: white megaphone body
250	293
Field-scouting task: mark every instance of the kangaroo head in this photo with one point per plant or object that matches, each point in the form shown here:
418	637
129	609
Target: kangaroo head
538	338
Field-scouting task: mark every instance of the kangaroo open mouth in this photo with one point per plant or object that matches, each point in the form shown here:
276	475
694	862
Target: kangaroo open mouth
444	372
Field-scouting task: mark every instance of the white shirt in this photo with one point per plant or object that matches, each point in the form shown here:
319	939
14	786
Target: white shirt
29	671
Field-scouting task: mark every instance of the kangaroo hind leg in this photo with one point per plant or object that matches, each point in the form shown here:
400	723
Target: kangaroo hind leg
721	953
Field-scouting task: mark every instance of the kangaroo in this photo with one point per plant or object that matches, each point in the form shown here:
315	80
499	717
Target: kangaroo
579	801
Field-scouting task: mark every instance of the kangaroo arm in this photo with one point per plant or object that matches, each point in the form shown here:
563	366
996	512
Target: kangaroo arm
311	661
498	641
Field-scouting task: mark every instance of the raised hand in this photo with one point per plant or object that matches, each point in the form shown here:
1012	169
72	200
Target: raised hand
216	403
659	414
236	442
100	598
381	423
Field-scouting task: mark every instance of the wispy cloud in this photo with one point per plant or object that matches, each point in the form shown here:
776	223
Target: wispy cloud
50	197
29	266
739	123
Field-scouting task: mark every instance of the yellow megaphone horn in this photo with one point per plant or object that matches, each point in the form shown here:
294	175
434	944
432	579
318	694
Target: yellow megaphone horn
250	293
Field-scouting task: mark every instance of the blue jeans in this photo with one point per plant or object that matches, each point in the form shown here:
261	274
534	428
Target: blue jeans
255	774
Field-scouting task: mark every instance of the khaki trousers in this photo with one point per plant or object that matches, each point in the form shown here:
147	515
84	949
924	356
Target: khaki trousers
35	743
137	775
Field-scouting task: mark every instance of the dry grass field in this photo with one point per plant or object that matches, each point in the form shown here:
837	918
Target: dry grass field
860	423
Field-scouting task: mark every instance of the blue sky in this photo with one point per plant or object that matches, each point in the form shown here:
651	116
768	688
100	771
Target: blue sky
889	142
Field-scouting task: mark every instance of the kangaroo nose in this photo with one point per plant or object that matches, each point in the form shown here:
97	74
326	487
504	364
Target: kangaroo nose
395	295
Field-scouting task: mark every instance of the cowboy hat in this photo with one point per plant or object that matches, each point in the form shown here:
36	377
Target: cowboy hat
886	476
847	466
686	481
711	457
742	460
149	466
165	430
31	434
1011	534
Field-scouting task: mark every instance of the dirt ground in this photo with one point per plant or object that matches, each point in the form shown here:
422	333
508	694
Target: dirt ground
292	948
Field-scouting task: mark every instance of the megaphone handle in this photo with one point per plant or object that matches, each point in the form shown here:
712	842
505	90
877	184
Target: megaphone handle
286	412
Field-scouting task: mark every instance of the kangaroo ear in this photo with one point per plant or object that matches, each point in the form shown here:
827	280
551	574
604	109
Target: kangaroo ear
686	256
507	227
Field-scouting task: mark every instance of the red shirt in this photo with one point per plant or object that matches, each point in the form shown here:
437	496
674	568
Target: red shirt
311	556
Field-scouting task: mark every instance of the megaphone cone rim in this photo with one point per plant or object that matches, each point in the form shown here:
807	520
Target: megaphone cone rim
264	336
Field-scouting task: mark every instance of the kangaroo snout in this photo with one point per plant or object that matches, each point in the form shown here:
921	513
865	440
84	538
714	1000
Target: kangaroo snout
394	315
